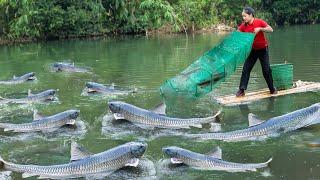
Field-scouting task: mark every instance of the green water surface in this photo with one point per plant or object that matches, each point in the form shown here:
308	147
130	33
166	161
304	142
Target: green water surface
143	64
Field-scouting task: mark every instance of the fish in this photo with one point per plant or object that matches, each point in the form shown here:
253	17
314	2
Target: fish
83	163
210	161
68	67
273	127
44	124
17	80
93	87
48	95
156	118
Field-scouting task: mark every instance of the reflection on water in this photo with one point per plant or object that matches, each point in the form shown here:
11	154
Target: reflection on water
144	64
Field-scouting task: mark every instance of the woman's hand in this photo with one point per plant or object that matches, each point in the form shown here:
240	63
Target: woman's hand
256	30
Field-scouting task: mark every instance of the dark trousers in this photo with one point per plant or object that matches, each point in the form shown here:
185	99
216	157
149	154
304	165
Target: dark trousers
263	56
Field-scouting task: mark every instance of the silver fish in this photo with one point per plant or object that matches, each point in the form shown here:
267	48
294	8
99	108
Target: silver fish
259	130
93	87
151	119
47	95
211	161
17	80
44	124
68	67
83	163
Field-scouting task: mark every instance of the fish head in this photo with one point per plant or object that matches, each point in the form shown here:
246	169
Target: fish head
49	94
137	149
171	151
91	86
30	76
57	66
115	106
73	114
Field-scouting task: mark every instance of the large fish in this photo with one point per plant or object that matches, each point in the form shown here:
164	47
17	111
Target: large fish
93	87
21	79
259	130
47	95
84	163
212	161
68	67
156	118
44	124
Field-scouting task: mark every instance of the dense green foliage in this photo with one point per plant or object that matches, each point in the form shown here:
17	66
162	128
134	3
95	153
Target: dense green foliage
76	18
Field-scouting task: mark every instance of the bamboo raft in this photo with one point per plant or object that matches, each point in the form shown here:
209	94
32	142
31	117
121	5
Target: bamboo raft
298	87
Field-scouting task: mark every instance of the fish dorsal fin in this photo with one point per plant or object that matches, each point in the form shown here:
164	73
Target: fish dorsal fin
112	86
254	120
78	152
1	98
37	116
72	64
160	109
30	93
216	153
14	77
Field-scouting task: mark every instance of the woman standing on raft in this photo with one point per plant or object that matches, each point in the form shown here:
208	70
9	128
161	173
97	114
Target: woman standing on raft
259	50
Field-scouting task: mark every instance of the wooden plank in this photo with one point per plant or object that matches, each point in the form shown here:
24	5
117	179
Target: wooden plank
300	86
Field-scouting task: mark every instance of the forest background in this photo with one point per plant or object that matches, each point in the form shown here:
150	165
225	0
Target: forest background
55	19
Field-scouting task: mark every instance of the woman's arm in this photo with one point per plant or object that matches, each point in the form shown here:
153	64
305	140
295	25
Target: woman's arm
265	29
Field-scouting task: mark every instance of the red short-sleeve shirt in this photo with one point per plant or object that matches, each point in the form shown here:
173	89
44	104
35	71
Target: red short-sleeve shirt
260	40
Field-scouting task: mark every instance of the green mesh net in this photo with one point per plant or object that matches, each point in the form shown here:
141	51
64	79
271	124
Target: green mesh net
282	75
212	67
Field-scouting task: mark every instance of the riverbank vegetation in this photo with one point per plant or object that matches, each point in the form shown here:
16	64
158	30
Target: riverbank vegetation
54	19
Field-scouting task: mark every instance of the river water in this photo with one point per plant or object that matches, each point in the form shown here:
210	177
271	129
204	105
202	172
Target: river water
143	64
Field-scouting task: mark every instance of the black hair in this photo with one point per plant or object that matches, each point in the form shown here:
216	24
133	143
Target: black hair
249	10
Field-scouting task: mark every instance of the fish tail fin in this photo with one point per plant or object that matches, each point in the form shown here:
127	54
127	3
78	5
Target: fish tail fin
213	118
218	115
268	162
2	162
5	126
2	98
